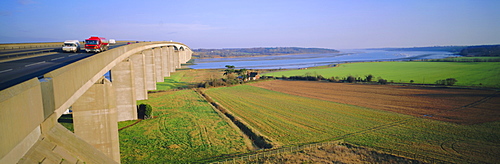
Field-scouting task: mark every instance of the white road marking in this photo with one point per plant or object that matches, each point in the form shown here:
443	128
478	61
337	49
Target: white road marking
7	70
34	64
73	55
57	58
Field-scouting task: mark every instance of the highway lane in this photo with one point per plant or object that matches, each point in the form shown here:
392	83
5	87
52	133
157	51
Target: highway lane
7	52
15	72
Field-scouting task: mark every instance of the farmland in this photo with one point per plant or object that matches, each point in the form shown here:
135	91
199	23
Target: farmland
444	104
186	130
183	78
479	74
293	120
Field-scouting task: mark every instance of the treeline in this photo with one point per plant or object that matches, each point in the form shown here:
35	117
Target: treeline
225	82
470	51
464	59
262	51
348	79
484	50
453	49
368	79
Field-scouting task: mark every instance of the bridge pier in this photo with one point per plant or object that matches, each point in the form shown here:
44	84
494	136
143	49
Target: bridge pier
150	69
177	62
95	118
171	62
165	53
122	77
158	65
139	68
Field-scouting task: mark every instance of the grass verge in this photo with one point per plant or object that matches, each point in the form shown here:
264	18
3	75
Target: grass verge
186	130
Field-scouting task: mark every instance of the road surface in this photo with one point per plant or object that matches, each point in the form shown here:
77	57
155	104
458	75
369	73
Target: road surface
18	71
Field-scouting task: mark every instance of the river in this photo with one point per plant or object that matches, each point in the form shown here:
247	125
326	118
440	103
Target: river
311	60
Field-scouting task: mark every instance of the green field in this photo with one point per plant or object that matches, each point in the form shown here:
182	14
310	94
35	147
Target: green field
186	130
479	74
184	78
293	120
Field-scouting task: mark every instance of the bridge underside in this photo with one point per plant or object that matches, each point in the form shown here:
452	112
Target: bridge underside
59	145
29	111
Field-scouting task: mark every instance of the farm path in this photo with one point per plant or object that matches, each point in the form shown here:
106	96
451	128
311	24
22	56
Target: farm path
462	106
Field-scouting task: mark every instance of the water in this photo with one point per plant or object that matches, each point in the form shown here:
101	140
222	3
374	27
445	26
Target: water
311	60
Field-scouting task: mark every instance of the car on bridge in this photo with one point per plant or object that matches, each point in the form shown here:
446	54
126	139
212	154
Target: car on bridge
71	46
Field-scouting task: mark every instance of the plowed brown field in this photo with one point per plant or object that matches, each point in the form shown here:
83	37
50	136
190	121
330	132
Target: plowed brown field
463	106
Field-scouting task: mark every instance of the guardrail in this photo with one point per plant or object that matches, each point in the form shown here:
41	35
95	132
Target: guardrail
26	54
24	47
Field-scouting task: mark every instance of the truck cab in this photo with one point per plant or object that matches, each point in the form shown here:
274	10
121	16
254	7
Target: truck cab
96	44
71	46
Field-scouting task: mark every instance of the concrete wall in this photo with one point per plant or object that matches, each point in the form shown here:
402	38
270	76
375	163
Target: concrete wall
29	111
21	113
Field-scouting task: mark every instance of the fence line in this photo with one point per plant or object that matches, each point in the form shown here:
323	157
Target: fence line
286	150
279	151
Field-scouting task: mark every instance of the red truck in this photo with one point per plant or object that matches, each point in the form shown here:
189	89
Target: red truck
96	44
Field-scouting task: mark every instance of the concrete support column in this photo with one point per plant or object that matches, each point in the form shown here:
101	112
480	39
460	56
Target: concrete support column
139	67
158	65
150	69
122	76
171	62
165	69
182	56
95	118
177	60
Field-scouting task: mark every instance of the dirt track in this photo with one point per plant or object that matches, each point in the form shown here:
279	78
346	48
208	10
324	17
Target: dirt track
463	106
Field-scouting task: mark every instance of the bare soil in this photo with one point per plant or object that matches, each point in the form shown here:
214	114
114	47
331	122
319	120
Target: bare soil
462	106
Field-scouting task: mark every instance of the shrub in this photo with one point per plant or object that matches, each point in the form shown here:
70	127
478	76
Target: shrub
333	79
351	79
144	111
382	81
448	81
369	78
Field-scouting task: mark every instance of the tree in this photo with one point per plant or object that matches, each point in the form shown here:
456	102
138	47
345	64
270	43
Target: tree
229	70
448	81
382	81
451	81
243	73
369	78
351	79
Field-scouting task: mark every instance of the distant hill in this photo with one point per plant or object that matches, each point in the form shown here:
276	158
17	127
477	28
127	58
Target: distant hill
472	51
251	52
483	50
453	49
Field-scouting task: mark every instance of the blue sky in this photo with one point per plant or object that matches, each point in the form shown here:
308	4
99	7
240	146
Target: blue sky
338	24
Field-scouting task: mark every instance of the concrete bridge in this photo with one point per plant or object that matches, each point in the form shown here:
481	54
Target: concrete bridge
29	131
